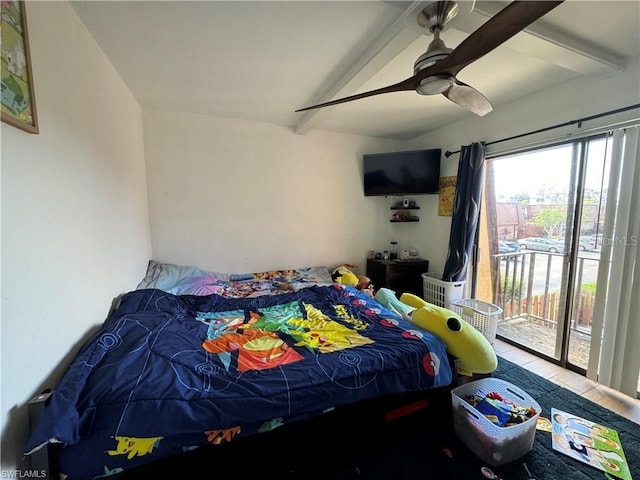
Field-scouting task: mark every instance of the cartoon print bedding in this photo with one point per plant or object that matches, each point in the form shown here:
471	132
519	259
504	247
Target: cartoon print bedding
169	373
189	280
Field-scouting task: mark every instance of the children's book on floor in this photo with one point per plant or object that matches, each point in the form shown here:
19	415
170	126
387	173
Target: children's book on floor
594	444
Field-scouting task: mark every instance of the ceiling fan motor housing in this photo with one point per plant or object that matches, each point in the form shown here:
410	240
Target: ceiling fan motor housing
435	17
437	51
433	84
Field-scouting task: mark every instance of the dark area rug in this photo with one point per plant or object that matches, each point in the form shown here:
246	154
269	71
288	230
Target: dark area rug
437	453
421	445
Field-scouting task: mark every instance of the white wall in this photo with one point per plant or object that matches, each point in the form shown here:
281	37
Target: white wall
74	211
237	196
564	103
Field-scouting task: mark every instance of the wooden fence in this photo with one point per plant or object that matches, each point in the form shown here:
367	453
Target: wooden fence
547	307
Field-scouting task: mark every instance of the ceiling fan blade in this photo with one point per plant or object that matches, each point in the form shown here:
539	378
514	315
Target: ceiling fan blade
501	27
408	84
505	24
469	98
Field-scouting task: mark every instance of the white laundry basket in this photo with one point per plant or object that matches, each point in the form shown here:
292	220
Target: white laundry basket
439	292
482	315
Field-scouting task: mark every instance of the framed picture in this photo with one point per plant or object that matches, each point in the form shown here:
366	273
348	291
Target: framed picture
18	100
446	196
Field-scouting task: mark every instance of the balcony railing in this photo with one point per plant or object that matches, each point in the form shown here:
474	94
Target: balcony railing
528	287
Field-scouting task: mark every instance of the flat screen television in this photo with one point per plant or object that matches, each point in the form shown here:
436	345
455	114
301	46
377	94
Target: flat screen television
402	173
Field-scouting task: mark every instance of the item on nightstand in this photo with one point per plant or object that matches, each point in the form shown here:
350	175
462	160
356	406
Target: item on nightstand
393	252
404	254
472	349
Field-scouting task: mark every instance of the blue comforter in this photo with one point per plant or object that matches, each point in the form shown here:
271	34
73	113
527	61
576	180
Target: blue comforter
168	373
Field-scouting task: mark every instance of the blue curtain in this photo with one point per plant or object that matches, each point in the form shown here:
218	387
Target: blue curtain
466	211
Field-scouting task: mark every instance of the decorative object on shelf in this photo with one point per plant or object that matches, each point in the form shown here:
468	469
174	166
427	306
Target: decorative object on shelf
393	251
18	99
446	196
405	205
403	216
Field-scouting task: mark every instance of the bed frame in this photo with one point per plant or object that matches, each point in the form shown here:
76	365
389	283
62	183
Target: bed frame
292	450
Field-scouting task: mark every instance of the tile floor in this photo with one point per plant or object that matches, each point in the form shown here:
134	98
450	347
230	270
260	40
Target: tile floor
622	404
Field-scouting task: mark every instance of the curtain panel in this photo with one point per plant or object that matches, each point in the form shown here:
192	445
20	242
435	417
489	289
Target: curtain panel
466	211
614	358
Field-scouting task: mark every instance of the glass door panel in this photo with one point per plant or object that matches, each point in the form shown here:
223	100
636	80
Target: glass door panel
527	211
593	211
539	246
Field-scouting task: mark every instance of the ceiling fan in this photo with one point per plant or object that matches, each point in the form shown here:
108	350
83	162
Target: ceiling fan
435	70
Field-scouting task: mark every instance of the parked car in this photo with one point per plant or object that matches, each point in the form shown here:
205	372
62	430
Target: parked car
541	244
584	243
588	243
508	247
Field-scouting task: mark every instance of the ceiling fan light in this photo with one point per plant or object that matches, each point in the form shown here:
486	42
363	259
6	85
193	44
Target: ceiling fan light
435	84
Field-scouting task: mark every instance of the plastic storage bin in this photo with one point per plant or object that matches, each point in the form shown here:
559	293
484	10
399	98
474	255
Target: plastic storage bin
493	444
482	315
439	292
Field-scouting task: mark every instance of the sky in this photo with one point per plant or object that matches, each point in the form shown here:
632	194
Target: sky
528	172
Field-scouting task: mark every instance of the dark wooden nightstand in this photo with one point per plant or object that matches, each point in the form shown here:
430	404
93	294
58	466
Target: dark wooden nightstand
398	275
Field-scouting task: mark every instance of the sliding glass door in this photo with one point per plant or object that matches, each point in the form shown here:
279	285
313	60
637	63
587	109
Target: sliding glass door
539	246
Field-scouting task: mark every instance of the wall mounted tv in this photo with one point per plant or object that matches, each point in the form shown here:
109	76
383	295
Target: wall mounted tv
402	173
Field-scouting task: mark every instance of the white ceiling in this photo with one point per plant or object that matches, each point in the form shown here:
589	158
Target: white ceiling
262	60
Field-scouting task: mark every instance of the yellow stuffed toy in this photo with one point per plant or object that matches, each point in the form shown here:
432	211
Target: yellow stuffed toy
344	276
472	349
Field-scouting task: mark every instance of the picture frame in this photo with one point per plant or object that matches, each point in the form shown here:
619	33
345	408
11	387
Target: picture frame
446	196
17	99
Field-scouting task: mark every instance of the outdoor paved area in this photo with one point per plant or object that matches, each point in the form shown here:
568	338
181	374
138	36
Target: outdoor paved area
541	337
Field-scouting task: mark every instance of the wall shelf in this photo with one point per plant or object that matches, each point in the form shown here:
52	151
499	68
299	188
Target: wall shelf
402	214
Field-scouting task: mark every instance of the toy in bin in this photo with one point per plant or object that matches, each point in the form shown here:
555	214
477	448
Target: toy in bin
495	419
499	410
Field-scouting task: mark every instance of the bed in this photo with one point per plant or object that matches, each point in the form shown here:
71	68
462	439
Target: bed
192	359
